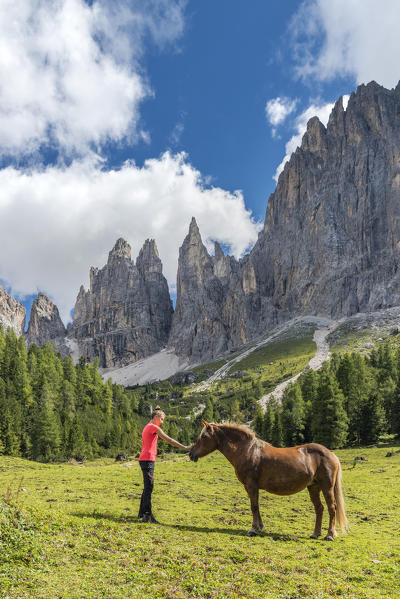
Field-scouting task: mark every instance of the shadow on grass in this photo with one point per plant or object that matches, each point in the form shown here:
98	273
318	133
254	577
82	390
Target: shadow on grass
125	519
232	531
120	518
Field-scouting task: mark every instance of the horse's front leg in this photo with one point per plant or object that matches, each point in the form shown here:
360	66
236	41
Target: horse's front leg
253	492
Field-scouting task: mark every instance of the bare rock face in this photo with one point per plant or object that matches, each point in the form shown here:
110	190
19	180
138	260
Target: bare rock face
210	315
12	313
45	324
331	239
126	313
330	245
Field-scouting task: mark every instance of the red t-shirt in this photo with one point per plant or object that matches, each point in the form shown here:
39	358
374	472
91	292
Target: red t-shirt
149	439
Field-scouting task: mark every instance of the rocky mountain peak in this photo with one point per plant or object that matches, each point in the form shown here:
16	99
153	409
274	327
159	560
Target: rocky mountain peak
12	313
194	233
148	259
331	239
121	249
314	137
126	314
336	119
45	324
194	260
218	253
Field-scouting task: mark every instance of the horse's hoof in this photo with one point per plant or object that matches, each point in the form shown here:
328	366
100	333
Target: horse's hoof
328	538
314	536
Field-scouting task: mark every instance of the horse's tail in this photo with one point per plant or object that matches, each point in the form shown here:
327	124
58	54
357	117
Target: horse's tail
341	518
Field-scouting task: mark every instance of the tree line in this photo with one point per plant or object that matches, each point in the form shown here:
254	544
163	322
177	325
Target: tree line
352	400
52	409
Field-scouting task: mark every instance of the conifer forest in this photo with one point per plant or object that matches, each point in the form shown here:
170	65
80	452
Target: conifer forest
52	409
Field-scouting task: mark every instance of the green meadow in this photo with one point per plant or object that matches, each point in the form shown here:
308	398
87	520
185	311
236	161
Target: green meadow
70	531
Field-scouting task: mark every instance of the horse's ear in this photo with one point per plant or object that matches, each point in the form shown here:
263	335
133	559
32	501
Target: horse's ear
204	423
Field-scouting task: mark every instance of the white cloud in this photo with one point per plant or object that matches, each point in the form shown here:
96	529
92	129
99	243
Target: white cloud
57	222
356	38
277	110
322	111
70	73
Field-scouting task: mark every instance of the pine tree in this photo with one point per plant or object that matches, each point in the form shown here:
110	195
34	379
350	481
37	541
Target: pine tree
268	422
236	414
330	422
208	411
309	388
46	435
258	423
356	384
395	424
373	419
76	441
387	391
277	434
293	415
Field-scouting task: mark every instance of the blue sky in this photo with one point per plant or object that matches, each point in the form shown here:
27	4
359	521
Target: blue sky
126	118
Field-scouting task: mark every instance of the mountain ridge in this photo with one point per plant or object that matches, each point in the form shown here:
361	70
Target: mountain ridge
329	247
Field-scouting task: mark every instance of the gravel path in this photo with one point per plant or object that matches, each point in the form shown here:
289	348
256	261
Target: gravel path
221	372
322	354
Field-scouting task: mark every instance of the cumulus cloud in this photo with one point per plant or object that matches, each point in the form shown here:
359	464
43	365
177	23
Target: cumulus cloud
356	38
57	222
277	110
72	80
322	111
70	74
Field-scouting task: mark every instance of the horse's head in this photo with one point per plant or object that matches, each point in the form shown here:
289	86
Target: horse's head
206	443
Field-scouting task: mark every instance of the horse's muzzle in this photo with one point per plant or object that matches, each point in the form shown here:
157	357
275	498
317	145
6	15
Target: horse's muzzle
193	456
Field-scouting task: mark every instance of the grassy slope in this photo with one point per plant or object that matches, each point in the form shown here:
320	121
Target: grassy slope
90	544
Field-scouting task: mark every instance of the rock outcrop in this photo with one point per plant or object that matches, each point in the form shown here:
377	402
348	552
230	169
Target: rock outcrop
215	298
45	324
330	245
331	240
126	313
12	313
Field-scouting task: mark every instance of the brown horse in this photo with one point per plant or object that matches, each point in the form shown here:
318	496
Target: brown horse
259	465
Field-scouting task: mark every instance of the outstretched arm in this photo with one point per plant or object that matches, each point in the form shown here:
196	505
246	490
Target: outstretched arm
172	441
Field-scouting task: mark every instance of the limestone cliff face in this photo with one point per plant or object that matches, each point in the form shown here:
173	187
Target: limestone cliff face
330	245
126	313
209	317
45	324
331	239
12	313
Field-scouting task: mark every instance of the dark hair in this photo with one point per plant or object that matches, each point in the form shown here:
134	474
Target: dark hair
157	412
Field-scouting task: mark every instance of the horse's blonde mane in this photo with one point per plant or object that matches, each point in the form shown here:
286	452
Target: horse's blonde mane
247	432
240	428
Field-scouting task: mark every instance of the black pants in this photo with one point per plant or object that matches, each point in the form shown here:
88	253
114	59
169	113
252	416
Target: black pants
148	483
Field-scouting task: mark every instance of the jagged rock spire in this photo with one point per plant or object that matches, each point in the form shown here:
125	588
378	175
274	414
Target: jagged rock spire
45	324
148	259
121	249
12	313
218	253
126	314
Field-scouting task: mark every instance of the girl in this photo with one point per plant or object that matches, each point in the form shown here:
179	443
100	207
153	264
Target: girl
147	459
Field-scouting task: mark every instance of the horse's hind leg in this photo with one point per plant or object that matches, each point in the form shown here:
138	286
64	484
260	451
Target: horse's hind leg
253	492
329	495
314	491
